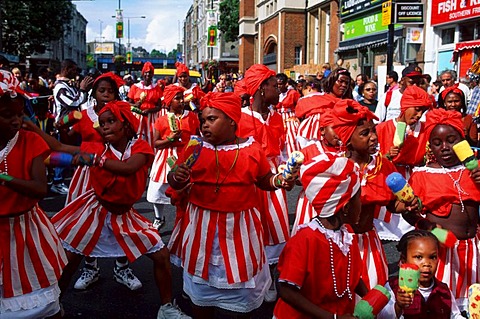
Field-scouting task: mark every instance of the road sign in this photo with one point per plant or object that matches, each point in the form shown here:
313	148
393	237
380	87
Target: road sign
386	13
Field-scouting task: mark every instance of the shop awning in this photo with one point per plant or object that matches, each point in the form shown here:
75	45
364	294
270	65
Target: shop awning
466	45
372	41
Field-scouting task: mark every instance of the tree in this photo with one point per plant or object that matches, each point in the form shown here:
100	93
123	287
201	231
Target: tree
28	26
228	22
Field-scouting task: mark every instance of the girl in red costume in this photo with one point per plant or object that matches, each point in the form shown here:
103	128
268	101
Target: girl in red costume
102	221
320	267
31	255
192	92
224	259
414	102
146	96
450	196
169	144
262	122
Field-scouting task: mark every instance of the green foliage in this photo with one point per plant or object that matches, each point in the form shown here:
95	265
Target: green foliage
172	54
157	54
30	25
228	22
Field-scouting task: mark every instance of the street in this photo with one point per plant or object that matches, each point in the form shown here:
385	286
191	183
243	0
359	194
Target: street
108	299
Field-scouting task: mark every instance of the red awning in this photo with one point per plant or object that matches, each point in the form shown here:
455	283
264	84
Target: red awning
467	45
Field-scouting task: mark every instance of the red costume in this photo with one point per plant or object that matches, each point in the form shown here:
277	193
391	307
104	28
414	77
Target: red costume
286	107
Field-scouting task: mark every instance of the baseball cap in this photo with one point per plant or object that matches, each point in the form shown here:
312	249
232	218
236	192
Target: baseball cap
412	70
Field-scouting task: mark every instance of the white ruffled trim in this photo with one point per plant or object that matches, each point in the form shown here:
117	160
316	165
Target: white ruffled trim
439	170
341	237
35	299
230	147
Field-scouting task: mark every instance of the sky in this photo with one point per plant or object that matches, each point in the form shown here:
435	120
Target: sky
161	29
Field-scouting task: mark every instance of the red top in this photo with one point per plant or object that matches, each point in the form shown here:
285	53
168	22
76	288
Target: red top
119	189
270	133
85	127
413	149
188	124
19	160
374	187
315	103
305	263
289	102
236	184
154	94
436	189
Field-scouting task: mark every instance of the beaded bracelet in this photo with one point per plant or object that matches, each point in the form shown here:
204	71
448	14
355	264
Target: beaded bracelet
5	178
171	140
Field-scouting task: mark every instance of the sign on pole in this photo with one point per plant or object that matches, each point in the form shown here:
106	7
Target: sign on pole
119	25
212	31
386	13
406	13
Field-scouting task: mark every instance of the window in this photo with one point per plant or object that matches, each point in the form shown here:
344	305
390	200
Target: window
448	36
298	55
467	32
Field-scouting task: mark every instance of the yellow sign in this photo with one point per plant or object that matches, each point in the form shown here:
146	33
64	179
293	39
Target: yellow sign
386	13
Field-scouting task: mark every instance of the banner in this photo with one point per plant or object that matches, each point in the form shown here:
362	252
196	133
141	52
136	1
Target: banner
129	55
119	26
212	36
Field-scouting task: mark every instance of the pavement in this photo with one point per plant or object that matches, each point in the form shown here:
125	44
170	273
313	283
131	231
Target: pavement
109	299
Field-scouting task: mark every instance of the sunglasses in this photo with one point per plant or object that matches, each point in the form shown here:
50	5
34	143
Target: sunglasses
370	89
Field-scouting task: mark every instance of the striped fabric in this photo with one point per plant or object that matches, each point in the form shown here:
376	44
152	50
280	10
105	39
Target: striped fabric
240	237
80	225
160	168
310	128
79	184
291	124
145	129
67	98
31	254
329	182
304	212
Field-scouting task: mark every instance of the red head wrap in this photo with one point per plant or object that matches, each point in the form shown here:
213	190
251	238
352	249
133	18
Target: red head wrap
314	104
345	116
240	88
452	89
413	96
148	67
329	182
9	84
255	76
118	80
121	110
441	116
229	103
181	68
170	92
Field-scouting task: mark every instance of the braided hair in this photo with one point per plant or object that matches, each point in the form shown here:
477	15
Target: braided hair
402	246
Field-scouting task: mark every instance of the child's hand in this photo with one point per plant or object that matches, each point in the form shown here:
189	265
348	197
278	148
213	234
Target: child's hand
30	126
287	184
393	152
175	135
475	175
414	205
82	159
404	300
182	173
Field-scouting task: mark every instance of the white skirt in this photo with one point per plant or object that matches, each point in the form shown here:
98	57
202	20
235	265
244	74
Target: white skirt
156	193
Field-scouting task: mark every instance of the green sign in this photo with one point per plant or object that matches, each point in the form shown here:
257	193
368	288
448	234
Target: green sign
364	26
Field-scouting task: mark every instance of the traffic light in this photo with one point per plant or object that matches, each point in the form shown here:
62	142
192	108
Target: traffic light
119	30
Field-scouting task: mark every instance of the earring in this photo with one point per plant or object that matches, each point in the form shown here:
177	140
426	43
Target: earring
262	92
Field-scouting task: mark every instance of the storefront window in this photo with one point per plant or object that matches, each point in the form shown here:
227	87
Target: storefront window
467	32
448	36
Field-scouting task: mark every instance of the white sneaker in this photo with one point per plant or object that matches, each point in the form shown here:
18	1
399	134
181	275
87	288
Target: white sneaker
60	189
90	274
271	294
159	223
171	311
124	275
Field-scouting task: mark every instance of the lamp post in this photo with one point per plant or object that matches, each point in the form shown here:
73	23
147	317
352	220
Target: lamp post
129	52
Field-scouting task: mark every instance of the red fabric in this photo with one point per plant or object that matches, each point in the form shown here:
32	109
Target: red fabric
28	146
269	133
85	128
289	102
304	255
9	84
441	116
451	89
255	76
148	67
118	80
154	94
170	92
240	88
413	149
228	103
413	96
345	116
438	197
121	110
374	187
114	188
188	124
314	104
181	68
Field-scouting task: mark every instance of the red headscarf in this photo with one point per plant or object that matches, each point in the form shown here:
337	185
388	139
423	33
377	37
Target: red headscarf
345	116
413	96
170	92
229	103
118	80
148	67
441	116
121	110
240	88
10	84
255	76
181	68
452	89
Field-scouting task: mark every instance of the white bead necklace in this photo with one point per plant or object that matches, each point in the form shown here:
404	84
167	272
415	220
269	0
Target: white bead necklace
4	157
456	184
332	268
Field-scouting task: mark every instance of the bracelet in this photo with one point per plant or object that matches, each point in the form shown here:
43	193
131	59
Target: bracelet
276	183
176	180
388	157
171	140
334	316
5	178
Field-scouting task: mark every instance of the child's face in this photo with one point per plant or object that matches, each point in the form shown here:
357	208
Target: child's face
453	102
177	103
111	128
330	138
11	117
105	93
183	79
216	126
422	252
442	139
413	115
364	139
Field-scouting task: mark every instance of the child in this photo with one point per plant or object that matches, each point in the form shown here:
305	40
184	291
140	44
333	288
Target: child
320	267
433	299
102	221
31	255
224	262
450	196
168	143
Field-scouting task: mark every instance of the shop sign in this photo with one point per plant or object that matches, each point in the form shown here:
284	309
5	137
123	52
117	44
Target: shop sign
406	13
447	11
363	26
386	13
414	35
349	7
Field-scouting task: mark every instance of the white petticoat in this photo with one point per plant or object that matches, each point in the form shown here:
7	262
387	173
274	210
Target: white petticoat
156	193
40	303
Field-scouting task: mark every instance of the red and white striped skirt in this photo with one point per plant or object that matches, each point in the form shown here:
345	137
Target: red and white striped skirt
291	124
304	212
84	222
31	254
79	184
145	129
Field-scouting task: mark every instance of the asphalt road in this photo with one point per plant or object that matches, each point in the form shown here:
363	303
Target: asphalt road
109	299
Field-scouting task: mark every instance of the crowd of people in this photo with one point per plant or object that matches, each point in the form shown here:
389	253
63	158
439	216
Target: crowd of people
225	153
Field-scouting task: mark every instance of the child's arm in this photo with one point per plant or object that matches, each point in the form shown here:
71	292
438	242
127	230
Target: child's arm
167	142
180	178
37	186
52	142
403	300
132	165
291	295
271	182
475	175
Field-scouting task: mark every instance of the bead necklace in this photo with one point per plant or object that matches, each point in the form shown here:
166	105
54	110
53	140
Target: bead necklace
332	268
217	183
4	157
456	184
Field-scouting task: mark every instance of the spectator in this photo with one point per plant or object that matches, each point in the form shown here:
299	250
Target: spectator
449	78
